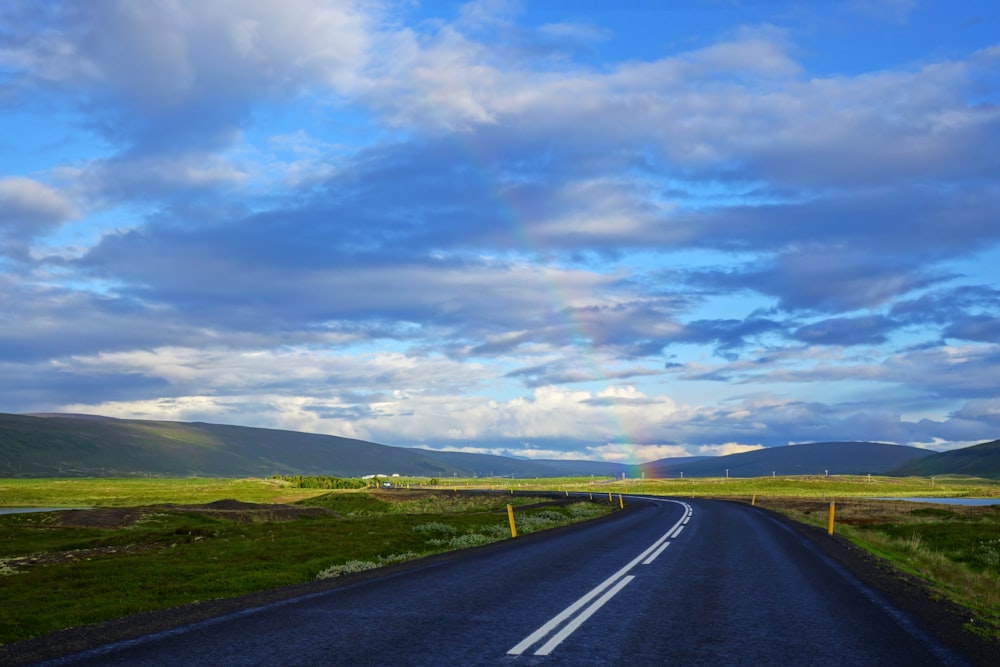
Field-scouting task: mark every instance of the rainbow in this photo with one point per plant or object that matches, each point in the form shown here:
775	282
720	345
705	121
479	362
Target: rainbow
575	327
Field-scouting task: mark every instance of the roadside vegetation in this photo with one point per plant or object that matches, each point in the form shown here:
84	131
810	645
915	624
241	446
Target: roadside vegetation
133	554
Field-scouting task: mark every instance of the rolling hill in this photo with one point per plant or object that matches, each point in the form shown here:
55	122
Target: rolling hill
90	446
62	445
979	460
836	458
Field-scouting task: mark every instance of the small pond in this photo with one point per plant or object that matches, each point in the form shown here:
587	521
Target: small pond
950	501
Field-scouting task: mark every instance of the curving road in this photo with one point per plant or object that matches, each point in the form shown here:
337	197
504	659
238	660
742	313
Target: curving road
669	582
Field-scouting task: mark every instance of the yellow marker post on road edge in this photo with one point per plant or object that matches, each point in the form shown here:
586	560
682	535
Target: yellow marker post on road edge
829	528
510	515
621	503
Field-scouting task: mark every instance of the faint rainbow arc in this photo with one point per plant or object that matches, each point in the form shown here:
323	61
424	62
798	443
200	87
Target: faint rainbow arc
577	334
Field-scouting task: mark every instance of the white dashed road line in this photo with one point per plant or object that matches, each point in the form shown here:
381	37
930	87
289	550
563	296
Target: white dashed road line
572	617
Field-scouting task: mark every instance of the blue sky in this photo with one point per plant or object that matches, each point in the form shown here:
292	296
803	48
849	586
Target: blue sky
553	230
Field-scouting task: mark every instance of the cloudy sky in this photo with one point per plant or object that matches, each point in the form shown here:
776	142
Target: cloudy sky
545	229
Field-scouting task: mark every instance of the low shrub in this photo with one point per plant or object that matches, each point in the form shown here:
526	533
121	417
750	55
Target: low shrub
354	566
435	528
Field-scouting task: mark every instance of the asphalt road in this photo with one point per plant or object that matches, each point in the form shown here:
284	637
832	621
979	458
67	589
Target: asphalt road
669	582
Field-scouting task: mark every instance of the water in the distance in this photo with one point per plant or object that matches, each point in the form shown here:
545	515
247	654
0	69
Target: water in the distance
950	501
23	510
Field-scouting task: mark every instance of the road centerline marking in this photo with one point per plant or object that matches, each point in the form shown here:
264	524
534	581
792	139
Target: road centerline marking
571	627
656	553
622	580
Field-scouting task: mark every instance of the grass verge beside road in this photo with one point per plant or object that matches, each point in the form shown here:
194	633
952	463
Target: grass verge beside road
66	569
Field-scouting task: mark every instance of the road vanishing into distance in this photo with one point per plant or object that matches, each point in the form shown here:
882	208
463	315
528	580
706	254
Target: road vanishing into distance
667	582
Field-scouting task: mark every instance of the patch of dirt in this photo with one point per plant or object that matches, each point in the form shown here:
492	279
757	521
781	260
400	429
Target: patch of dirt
20	563
228	510
236	510
102	517
400	495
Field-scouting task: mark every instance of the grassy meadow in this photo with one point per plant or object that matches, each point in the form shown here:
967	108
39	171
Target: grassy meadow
99	492
807	486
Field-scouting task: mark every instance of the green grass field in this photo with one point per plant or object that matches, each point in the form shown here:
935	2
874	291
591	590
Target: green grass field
92	492
842	486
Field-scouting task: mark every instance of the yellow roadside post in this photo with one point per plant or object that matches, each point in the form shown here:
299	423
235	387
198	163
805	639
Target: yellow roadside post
609	497
510	515
829	528
753	501
621	503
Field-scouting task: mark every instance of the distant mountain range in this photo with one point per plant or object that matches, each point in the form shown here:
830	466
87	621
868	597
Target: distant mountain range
64	445
836	458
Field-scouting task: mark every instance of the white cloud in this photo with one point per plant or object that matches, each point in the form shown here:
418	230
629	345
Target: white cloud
29	209
725	449
160	53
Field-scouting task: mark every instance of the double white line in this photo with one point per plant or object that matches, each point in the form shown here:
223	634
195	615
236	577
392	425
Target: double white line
577	613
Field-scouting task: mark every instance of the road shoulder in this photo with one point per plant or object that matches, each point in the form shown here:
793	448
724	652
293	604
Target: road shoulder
942	618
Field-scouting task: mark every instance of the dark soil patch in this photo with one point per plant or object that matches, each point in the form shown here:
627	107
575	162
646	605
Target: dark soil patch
235	510
103	517
20	563
228	510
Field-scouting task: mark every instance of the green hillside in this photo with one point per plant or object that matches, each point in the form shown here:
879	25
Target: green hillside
88	446
978	461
